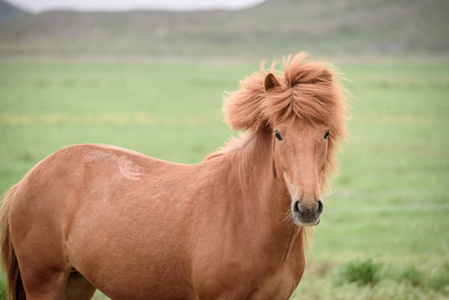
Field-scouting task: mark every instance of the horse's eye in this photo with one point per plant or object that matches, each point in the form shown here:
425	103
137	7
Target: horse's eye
278	136
327	134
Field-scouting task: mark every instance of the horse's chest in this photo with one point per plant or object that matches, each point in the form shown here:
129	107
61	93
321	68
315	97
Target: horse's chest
253	282
279	285
251	266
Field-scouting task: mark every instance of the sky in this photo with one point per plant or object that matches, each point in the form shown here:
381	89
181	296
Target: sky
120	5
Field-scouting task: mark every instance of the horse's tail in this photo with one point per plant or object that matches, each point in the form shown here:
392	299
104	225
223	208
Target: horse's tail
16	290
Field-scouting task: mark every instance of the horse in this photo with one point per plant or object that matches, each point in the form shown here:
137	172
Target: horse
233	226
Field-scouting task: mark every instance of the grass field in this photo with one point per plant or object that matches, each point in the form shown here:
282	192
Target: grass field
385	231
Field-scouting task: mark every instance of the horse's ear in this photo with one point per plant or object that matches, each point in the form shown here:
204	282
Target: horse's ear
270	82
243	108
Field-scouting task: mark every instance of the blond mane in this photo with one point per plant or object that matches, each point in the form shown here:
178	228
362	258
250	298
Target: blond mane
309	90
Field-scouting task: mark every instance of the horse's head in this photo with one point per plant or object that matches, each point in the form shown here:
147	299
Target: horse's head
305	109
299	156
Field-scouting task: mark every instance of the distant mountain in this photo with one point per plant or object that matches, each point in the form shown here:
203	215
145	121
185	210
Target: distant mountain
9	12
272	28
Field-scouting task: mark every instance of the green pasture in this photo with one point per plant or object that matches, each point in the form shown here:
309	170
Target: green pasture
385	230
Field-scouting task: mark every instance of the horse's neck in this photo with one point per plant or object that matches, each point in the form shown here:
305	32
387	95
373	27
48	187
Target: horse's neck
255	203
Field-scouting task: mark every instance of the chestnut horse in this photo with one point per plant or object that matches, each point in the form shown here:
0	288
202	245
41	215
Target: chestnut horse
93	217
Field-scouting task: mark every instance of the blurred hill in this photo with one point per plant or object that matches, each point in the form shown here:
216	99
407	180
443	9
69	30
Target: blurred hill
275	27
9	12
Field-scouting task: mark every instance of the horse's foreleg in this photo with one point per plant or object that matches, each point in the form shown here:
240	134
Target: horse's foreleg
43	264
57	285
43	285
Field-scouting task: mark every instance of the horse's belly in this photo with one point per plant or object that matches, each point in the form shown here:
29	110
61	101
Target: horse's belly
134	284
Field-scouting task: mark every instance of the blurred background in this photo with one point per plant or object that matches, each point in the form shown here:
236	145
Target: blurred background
150	76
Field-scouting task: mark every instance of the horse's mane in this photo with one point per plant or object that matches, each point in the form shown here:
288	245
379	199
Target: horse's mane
309	91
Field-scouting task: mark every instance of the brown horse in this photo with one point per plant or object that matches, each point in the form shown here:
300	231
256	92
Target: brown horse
100	217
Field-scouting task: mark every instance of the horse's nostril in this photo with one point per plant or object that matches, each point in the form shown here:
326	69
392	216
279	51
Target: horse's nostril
296	207
320	207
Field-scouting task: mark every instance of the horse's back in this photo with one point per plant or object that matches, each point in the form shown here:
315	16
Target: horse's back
80	208
79	174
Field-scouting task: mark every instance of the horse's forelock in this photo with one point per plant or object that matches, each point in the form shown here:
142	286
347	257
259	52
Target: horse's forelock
316	96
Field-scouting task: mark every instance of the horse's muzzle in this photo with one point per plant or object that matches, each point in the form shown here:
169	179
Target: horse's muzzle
307	214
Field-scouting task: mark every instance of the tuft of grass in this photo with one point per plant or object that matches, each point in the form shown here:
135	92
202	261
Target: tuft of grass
436	280
411	275
440	280
361	271
374	280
